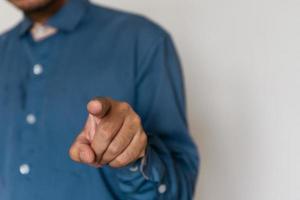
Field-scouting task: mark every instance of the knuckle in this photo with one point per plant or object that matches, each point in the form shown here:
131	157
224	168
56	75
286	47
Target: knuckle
130	155
137	120
114	149
122	160
108	99
135	123
124	106
132	128
115	164
119	162
144	139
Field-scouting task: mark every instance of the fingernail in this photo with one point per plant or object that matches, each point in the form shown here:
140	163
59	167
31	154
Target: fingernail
82	156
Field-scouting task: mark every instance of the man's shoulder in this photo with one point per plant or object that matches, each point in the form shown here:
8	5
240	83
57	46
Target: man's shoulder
129	23
7	34
4	37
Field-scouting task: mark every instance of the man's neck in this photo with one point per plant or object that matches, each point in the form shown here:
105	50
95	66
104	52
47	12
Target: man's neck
43	14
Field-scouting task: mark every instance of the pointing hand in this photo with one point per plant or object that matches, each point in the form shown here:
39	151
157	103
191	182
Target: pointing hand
113	135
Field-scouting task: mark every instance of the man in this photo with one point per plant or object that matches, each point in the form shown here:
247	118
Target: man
131	143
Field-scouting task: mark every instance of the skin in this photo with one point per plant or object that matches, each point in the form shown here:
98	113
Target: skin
113	134
38	10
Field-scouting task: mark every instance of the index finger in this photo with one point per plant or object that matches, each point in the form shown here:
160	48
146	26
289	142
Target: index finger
99	106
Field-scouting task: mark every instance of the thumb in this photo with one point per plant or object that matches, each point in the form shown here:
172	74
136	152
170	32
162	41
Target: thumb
81	151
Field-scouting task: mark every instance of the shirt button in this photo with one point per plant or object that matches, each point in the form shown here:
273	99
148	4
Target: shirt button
133	168
24	169
31	119
37	69
162	188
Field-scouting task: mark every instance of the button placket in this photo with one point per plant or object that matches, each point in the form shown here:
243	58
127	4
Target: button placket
32	113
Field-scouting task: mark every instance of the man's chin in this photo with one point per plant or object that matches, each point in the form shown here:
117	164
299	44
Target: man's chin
30	5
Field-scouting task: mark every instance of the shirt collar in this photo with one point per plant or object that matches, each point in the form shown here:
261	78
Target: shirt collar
66	19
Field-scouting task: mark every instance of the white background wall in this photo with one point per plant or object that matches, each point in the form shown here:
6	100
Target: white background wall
242	64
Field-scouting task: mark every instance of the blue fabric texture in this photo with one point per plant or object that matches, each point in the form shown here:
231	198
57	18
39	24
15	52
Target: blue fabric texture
97	51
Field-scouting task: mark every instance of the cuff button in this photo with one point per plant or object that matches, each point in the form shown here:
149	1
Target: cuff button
134	168
162	188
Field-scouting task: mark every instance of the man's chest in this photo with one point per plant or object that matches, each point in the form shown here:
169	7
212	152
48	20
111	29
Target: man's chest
56	81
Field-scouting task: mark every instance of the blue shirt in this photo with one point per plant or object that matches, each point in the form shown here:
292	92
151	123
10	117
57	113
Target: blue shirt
45	87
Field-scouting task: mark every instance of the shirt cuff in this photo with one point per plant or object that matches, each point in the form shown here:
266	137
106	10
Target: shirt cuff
150	167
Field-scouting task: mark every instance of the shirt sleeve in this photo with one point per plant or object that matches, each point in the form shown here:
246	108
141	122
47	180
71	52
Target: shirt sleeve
170	168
